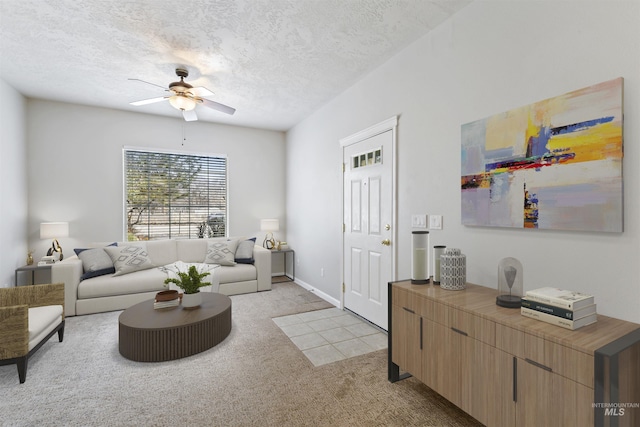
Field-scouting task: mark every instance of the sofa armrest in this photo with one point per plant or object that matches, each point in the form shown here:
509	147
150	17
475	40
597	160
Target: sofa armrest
262	261
68	271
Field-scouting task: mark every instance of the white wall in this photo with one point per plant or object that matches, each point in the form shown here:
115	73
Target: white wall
490	57
13	183
75	169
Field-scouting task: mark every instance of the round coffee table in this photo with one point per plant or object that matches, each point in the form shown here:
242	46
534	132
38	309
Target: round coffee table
156	335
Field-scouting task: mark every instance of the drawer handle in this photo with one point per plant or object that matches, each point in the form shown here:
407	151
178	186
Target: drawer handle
539	365
460	332
409	310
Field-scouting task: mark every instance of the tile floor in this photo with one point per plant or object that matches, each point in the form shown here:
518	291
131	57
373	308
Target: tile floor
329	335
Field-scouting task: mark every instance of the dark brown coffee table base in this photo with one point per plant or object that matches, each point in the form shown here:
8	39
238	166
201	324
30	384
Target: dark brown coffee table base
150	335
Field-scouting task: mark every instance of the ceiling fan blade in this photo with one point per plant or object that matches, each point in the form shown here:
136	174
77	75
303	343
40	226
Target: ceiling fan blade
138	80
149	101
201	91
218	106
190	115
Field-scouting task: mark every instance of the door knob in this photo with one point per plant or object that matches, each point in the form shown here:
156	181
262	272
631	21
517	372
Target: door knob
386	242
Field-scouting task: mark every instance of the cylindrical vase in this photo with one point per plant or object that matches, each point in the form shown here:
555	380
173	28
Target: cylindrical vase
420	257
437	252
453	270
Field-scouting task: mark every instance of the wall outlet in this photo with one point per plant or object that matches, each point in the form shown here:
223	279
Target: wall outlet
322	272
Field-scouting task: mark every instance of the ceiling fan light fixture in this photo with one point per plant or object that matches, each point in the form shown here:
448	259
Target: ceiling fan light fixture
181	102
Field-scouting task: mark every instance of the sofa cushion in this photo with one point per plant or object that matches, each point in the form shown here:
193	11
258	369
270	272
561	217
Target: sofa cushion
239	273
191	250
130	258
221	252
244	252
162	252
104	286
43	319
95	262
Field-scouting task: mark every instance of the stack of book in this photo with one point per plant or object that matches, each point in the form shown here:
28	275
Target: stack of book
569	309
167	299
166	304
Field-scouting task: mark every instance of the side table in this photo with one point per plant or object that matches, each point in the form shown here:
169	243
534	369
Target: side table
32	268
284	253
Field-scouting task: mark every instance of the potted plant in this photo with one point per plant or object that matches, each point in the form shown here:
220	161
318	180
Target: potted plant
190	282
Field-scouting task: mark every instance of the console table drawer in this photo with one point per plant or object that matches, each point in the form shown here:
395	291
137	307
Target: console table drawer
562	360
404	300
435	311
565	361
473	326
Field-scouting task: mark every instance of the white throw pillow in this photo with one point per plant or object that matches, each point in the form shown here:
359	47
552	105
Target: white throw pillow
223	253
127	259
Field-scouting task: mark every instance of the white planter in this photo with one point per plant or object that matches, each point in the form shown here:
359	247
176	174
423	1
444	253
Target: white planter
191	300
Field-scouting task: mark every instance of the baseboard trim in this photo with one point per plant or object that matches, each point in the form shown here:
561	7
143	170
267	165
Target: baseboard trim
327	298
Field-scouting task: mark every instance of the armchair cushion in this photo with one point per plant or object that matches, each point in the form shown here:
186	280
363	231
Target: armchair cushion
43	320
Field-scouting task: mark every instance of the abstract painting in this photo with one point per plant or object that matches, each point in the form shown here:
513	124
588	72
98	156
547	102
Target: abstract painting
555	164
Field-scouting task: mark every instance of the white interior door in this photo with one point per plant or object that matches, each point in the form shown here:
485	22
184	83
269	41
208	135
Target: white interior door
369	224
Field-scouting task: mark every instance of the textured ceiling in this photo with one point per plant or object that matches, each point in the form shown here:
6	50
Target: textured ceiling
275	61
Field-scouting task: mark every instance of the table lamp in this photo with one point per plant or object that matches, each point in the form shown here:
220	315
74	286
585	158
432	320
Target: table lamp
53	230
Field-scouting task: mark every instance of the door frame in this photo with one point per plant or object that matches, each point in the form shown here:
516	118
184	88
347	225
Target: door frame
390	124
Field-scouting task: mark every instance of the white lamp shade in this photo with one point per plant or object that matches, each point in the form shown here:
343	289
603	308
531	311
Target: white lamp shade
269	225
53	230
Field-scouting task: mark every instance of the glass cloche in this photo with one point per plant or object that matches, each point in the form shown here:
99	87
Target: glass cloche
510	288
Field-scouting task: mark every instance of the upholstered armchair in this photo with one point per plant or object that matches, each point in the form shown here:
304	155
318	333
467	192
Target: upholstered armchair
29	316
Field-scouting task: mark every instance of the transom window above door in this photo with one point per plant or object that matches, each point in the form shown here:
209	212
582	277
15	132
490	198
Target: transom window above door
367	159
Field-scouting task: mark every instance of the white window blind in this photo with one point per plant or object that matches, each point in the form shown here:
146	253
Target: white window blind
170	195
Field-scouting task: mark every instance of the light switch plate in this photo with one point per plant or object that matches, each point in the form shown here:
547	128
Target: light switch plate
435	222
419	221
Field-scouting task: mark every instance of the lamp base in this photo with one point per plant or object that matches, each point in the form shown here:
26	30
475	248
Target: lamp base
55	250
269	241
419	281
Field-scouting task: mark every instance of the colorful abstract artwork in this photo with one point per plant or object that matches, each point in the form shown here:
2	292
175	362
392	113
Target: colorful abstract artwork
555	164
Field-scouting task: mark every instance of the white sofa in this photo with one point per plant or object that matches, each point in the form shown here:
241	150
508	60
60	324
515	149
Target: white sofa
111	292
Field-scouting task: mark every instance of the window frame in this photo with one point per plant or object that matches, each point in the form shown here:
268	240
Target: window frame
186	153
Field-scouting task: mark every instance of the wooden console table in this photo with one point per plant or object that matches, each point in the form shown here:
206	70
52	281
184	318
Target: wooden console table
505	369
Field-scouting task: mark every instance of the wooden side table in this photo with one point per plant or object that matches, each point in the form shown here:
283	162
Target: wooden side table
32	268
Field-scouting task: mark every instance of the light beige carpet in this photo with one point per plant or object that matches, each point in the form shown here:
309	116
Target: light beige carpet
255	377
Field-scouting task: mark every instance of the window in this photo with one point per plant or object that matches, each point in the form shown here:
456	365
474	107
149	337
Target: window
174	195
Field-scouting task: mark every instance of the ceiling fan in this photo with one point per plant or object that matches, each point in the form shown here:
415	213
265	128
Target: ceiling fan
185	97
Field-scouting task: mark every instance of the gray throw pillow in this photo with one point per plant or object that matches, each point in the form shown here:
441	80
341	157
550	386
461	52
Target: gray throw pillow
95	262
244	253
221	252
127	259
94	259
